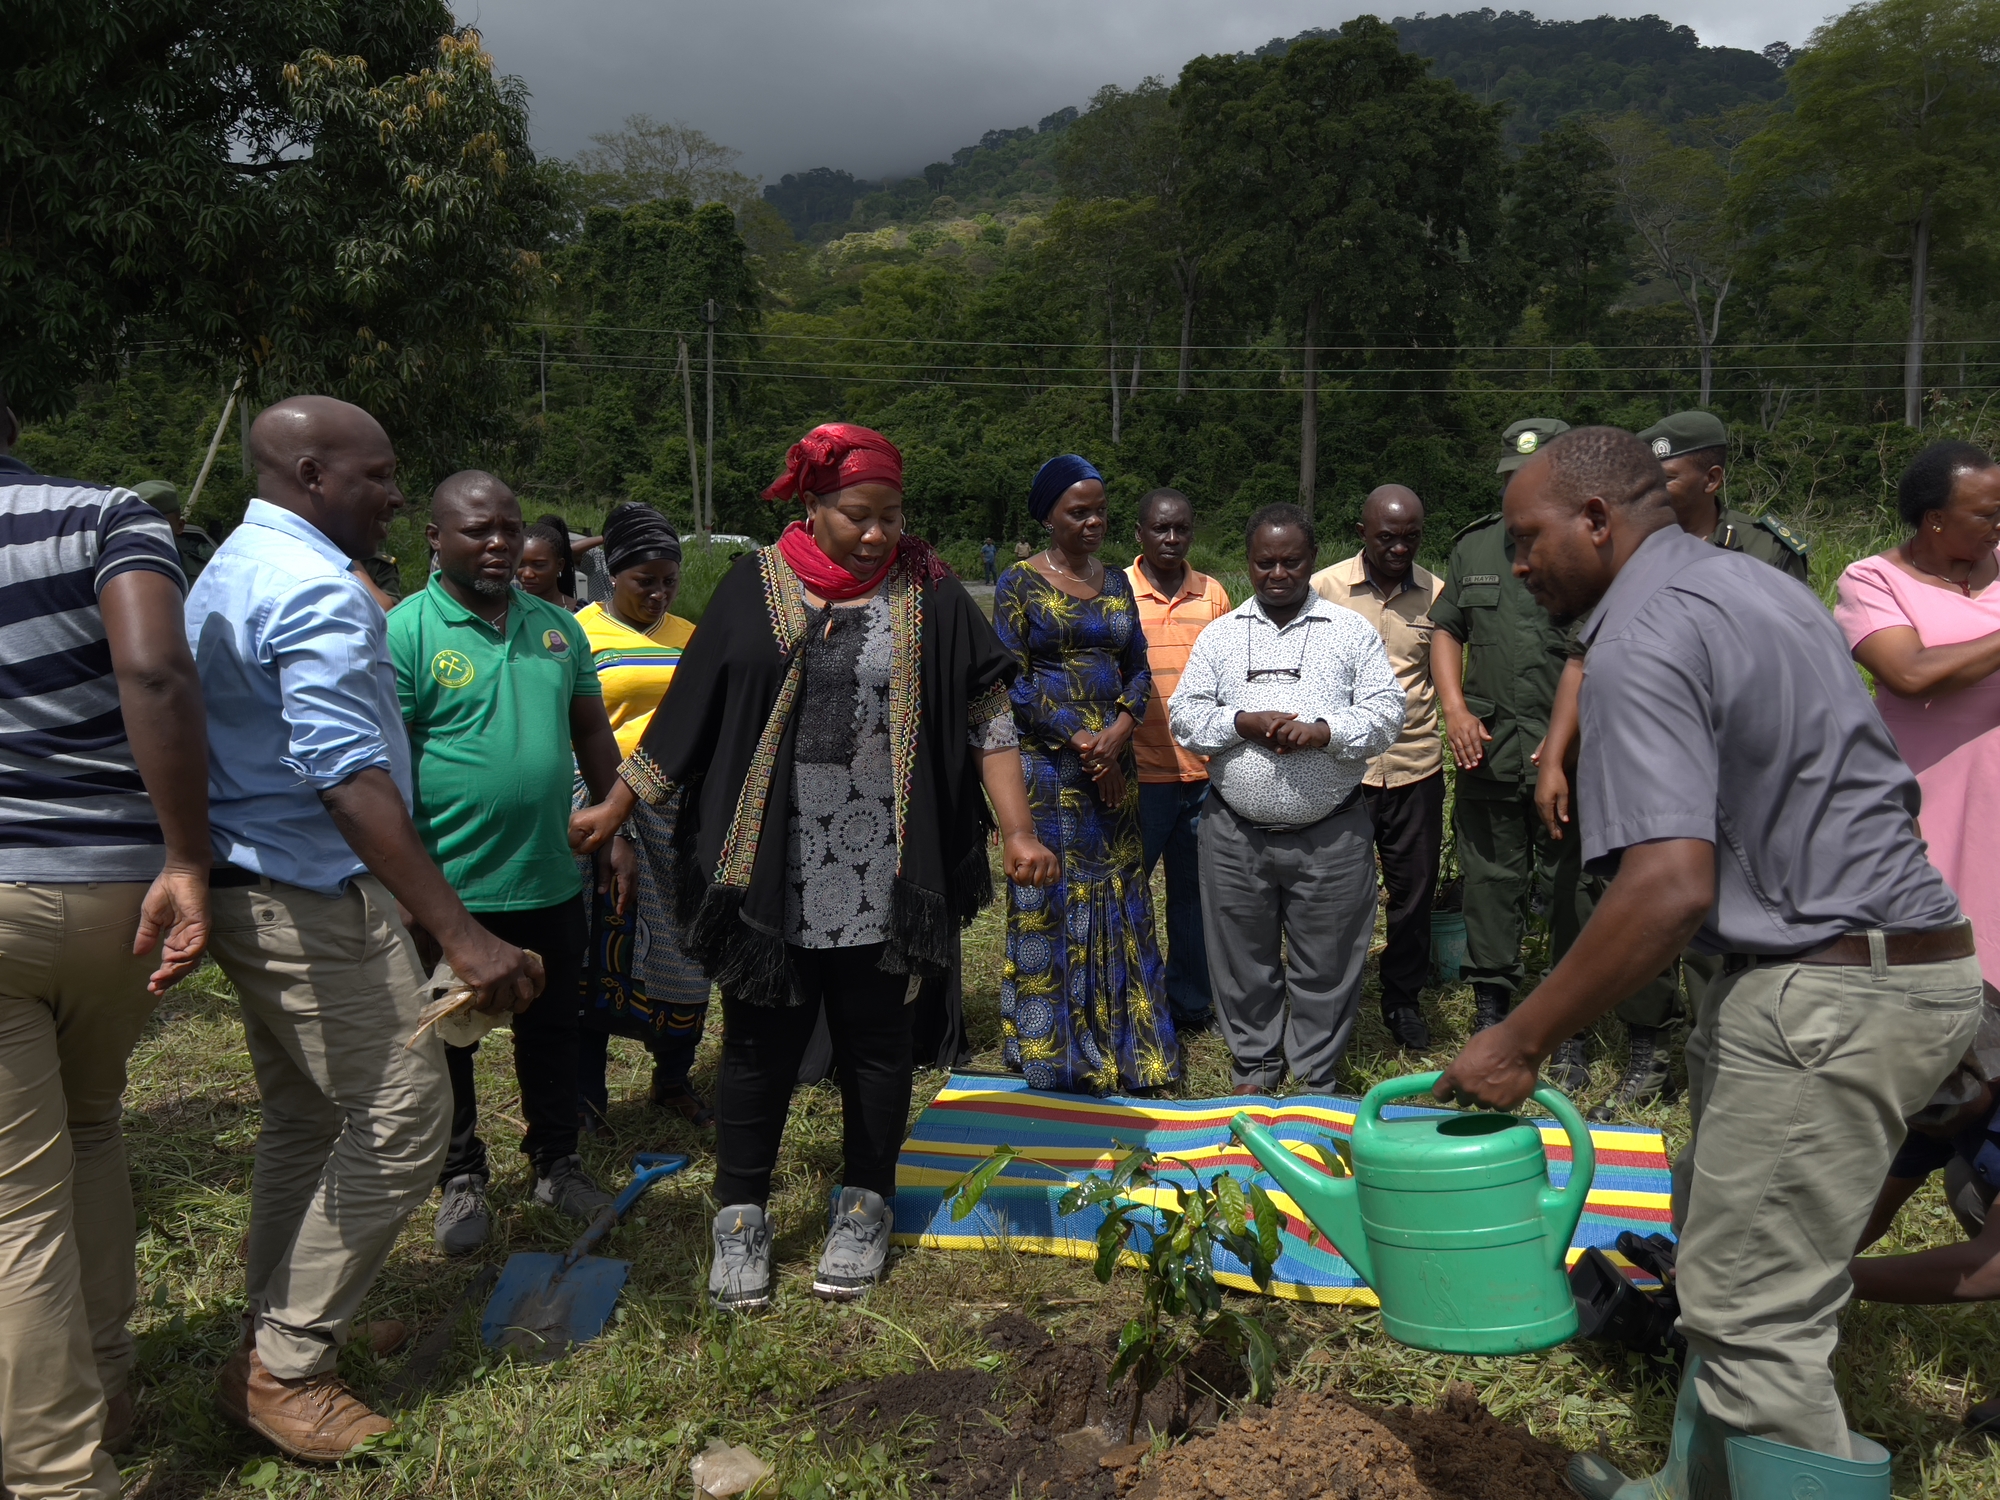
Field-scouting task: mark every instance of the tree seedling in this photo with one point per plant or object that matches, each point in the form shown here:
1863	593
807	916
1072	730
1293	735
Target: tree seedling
1181	1305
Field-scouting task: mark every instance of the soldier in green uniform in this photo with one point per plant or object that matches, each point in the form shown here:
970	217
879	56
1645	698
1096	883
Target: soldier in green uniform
195	545
1692	447
1496	657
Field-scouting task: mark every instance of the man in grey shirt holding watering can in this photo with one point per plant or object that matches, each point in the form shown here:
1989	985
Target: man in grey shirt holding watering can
1736	780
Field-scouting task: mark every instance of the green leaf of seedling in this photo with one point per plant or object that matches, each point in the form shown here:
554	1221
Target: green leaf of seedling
1269	1227
1334	1155
1229	1200
1133	1344
260	1474
973	1185
1259	1353
1111	1238
1136	1163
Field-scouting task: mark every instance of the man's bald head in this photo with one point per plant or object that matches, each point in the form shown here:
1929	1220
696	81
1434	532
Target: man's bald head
470	488
1392	528
1391	500
330	463
1578	509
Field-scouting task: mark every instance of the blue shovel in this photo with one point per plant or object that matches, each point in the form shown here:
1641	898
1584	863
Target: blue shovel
545	1303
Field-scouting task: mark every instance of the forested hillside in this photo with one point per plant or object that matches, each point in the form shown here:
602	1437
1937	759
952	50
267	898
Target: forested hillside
1294	274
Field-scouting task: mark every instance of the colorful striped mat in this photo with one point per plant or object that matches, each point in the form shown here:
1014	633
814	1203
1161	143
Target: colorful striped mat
1063	1136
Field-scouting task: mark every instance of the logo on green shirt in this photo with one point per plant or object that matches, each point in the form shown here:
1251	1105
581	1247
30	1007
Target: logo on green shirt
556	641
452	669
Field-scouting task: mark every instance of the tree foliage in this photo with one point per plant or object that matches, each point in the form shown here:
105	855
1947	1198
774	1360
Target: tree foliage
1890	154
1359	190
646	159
324	194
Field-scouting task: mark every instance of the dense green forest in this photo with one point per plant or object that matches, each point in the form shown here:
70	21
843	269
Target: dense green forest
1349	258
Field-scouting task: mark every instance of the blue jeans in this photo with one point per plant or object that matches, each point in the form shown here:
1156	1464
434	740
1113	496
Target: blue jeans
1170	825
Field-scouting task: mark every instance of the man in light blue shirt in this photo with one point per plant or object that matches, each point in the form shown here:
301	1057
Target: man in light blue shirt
317	862
295	668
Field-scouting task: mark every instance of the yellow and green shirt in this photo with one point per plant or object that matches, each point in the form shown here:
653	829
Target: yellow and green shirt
488	716
634	667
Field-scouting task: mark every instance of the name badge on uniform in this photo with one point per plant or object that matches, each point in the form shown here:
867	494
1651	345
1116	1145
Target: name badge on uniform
1475	578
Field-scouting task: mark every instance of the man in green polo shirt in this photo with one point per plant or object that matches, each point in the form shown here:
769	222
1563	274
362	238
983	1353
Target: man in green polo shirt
498	691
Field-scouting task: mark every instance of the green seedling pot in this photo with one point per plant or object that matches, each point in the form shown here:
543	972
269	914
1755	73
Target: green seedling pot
1451	1219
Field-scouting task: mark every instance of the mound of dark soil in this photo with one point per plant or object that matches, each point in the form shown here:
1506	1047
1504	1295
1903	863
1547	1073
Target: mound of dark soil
1331	1447
1047	1427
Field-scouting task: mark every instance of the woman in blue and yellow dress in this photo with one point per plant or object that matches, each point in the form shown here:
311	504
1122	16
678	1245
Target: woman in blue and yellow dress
1083	995
639	983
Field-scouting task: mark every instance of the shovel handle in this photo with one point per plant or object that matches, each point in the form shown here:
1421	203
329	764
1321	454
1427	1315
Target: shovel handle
648	1168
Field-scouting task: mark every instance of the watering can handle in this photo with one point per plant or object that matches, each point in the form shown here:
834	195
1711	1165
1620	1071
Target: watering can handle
1561	1207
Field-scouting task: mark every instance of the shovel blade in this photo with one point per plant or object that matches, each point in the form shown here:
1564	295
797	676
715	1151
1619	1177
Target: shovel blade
540	1311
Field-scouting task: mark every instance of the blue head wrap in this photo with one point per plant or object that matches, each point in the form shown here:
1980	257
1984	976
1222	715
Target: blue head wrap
1053	479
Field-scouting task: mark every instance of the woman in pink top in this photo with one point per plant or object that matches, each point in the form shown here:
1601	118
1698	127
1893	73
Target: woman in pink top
1924	618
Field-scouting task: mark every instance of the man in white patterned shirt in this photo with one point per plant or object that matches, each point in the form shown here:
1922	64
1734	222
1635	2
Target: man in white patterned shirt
1290	697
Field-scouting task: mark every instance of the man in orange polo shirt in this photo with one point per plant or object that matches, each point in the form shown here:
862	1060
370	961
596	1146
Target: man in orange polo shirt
1175	603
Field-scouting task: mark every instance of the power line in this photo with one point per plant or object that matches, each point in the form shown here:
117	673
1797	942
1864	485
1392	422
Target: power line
1539	349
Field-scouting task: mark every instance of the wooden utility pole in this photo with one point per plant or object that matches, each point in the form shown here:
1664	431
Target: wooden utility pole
545	372
213	443
685	368
708	489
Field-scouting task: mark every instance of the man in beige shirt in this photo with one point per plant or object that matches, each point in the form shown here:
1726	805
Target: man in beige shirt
1404	787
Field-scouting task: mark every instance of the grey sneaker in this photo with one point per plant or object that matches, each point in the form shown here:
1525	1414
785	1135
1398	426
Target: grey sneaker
740	1275
462	1221
857	1247
566	1187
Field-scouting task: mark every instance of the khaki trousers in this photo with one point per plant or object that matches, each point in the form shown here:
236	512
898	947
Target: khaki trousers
355	1124
1799	1080
73	1001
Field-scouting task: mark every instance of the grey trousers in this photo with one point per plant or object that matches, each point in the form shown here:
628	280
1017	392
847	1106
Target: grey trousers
1287	916
355	1123
1799	1080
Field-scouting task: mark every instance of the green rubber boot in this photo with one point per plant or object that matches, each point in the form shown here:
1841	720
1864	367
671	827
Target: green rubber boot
1593	1477
1758	1466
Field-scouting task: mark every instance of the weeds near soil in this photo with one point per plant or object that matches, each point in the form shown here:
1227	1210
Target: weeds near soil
1177	1270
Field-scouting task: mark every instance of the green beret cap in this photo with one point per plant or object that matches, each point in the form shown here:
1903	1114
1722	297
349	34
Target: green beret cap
1685	432
161	494
1524	439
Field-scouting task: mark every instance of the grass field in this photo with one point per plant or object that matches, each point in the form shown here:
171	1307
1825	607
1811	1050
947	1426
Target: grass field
624	1416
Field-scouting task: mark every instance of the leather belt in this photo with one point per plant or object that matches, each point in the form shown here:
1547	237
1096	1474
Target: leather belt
224	877
1851	950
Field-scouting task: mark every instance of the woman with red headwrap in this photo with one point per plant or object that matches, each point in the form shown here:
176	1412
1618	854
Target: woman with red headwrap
824	744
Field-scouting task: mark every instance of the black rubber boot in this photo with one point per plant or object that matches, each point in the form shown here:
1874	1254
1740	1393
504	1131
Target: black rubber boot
1490	1006
1647	1075
1568	1069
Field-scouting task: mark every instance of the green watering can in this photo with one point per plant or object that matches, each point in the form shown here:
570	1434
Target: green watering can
1450	1218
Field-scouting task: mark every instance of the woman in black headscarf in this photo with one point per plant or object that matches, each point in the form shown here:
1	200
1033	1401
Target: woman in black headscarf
639	983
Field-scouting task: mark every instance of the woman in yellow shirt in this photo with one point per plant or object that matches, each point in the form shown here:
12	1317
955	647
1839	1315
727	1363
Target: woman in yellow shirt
639	983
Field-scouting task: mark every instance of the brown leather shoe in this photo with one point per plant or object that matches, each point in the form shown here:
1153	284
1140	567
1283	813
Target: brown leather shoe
118	1419
314	1420
381	1338
232	1384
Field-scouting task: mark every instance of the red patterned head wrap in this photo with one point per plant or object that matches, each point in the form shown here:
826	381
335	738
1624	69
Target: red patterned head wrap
833	456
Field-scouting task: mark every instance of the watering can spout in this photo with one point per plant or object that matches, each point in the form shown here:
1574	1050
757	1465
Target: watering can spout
1329	1202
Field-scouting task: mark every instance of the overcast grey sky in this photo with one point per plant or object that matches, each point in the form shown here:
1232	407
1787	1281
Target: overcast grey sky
884	86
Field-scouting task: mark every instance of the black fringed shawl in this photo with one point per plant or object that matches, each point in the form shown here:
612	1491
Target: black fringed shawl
720	746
